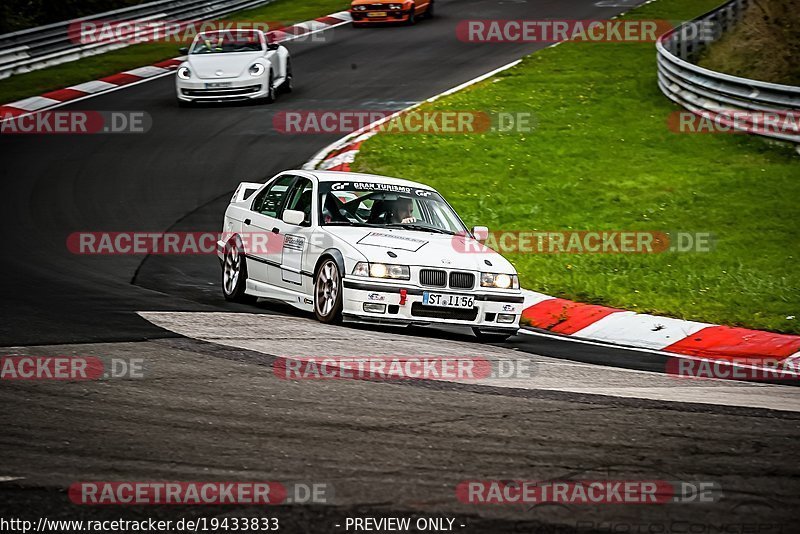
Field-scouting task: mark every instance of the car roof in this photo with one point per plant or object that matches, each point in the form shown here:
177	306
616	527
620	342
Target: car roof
334	176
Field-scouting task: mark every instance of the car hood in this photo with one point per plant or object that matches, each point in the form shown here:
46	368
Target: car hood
376	2
231	65
422	248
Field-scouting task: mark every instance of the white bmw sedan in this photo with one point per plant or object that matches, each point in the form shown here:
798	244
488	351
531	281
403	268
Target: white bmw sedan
233	65
365	248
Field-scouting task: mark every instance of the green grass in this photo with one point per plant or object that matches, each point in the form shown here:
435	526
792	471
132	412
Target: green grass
91	68
603	158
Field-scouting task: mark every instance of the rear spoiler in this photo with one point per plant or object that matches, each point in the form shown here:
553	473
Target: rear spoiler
245	191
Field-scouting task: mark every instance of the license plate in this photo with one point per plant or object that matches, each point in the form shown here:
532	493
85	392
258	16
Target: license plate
377	14
443	300
218	85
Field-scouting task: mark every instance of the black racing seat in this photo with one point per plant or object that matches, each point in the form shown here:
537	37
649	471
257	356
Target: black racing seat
377	214
333	208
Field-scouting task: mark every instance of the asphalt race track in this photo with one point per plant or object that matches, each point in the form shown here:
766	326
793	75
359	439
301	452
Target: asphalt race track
210	406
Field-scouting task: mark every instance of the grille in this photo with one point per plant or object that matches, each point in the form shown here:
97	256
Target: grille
223	91
462	280
431	312
433	278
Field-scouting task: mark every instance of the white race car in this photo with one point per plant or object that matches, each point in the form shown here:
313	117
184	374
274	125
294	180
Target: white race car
233	65
365	248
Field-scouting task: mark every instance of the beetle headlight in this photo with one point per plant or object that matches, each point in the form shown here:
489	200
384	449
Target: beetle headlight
382	270
184	73
256	69
500	281
359	8
395	6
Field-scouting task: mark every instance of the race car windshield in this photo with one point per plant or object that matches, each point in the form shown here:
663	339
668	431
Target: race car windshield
227	42
387	206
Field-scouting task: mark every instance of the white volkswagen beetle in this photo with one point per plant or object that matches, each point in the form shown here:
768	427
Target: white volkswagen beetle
233	65
365	248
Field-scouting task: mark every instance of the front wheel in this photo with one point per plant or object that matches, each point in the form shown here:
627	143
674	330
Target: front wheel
328	301
270	98
429	11
412	17
234	273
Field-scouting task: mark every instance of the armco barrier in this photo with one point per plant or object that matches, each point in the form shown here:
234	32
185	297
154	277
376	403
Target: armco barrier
731	101
44	46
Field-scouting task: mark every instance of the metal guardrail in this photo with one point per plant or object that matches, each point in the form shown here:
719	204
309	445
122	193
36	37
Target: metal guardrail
44	46
761	108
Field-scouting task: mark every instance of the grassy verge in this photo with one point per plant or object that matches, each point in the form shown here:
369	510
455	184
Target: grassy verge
765	45
603	158
91	68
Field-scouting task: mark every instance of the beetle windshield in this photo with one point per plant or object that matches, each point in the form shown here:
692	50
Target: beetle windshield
226	42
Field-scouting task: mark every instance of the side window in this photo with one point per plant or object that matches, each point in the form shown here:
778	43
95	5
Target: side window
301	197
268	202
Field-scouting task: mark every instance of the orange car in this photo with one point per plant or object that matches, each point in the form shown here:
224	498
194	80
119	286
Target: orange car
385	11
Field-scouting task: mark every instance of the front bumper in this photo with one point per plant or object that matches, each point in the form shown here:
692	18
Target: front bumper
243	88
488	310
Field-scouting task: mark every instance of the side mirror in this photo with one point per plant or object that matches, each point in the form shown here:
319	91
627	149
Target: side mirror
294	217
481	233
184	50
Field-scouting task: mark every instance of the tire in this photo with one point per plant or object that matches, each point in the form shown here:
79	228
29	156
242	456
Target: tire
490	337
328	301
234	273
429	11
412	18
184	104
288	85
270	97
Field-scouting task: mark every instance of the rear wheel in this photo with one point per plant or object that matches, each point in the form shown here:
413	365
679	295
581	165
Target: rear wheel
234	273
328	301
288	85
429	11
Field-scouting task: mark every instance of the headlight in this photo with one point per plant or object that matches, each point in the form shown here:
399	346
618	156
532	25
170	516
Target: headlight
359	8
257	69
395	6
184	73
381	270
501	281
